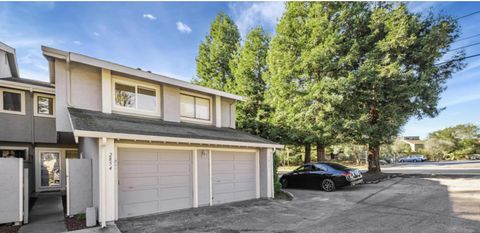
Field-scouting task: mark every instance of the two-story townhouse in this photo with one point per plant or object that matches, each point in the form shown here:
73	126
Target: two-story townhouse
157	143
27	126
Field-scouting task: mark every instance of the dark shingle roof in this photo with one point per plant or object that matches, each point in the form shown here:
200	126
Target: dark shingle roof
28	81
88	120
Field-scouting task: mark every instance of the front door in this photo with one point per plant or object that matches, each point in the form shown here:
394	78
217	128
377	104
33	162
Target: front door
49	170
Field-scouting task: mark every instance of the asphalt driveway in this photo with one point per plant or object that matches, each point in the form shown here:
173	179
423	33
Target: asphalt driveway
403	204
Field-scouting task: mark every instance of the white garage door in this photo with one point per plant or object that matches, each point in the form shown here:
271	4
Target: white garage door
152	181
233	176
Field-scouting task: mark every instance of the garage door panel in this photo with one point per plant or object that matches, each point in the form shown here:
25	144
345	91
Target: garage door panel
244	195
223	187
223	177
139	181
175	192
170	181
142	208
226	166
241	177
243	186
170	168
234	176
174	155
136	196
244	156
159	181
128	168
176	204
138	155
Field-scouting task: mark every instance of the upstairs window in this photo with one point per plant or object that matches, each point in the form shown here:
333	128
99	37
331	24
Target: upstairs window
44	105
12	101
136	97
197	108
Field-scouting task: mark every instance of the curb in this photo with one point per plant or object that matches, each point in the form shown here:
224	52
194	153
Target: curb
383	179
289	195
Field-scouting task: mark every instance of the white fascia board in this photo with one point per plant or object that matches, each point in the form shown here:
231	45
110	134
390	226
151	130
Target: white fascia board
96	134
12	58
27	87
75	57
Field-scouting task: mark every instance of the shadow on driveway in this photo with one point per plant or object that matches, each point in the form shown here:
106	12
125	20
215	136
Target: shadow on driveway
397	205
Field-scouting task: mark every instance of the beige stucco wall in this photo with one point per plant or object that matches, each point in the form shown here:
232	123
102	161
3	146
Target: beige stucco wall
4	65
171	103
85	87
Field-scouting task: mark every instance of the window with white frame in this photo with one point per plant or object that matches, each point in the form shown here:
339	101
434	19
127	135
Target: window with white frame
44	105
12	101
136	97
193	107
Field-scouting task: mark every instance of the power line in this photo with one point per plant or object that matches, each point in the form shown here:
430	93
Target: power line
459	59
467	15
466	38
466	46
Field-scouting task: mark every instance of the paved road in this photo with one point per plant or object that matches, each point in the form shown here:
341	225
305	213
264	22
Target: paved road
402	204
466	167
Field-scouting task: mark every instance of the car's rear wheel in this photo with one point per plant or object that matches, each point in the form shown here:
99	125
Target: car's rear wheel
284	183
328	185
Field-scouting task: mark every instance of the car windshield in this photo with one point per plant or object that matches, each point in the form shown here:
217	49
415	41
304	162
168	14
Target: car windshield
337	166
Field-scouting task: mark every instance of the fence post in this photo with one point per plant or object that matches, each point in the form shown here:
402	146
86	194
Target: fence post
26	196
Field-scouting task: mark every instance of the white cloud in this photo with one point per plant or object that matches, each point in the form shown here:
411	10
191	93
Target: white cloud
96	34
249	15
183	28
77	42
149	16
462	99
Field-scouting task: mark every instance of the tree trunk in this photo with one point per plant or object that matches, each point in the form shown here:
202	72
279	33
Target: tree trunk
308	153
320	152
373	159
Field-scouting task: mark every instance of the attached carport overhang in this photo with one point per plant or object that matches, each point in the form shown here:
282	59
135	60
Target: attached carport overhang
86	123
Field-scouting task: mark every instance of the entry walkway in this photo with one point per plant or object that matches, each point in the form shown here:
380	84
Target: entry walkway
46	215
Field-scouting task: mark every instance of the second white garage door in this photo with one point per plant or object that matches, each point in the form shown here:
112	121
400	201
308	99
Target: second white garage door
153	181
233	176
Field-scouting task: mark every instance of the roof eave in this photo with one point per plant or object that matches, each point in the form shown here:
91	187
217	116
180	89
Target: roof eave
98	134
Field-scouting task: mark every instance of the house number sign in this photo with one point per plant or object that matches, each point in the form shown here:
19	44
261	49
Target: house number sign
110	161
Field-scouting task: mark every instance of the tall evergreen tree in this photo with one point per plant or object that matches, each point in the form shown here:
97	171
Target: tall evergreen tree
313	44
215	53
398	74
248	68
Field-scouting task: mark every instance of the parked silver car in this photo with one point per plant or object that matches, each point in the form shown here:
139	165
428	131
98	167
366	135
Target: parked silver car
413	158
474	157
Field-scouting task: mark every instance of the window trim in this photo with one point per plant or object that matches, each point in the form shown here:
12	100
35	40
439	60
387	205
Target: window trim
194	119
35	105
136	84
17	148
22	101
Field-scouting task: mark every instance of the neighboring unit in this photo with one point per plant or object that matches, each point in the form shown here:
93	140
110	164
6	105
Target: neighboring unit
27	123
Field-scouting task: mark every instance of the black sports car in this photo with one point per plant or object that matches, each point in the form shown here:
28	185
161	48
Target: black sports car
327	176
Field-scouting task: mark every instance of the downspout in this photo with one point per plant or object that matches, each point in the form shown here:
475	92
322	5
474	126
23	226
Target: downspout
33	118
69	83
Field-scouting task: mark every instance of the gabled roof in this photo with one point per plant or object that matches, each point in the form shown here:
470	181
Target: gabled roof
12	59
87	123
80	58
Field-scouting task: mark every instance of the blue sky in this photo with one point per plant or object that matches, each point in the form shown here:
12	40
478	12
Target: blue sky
164	38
